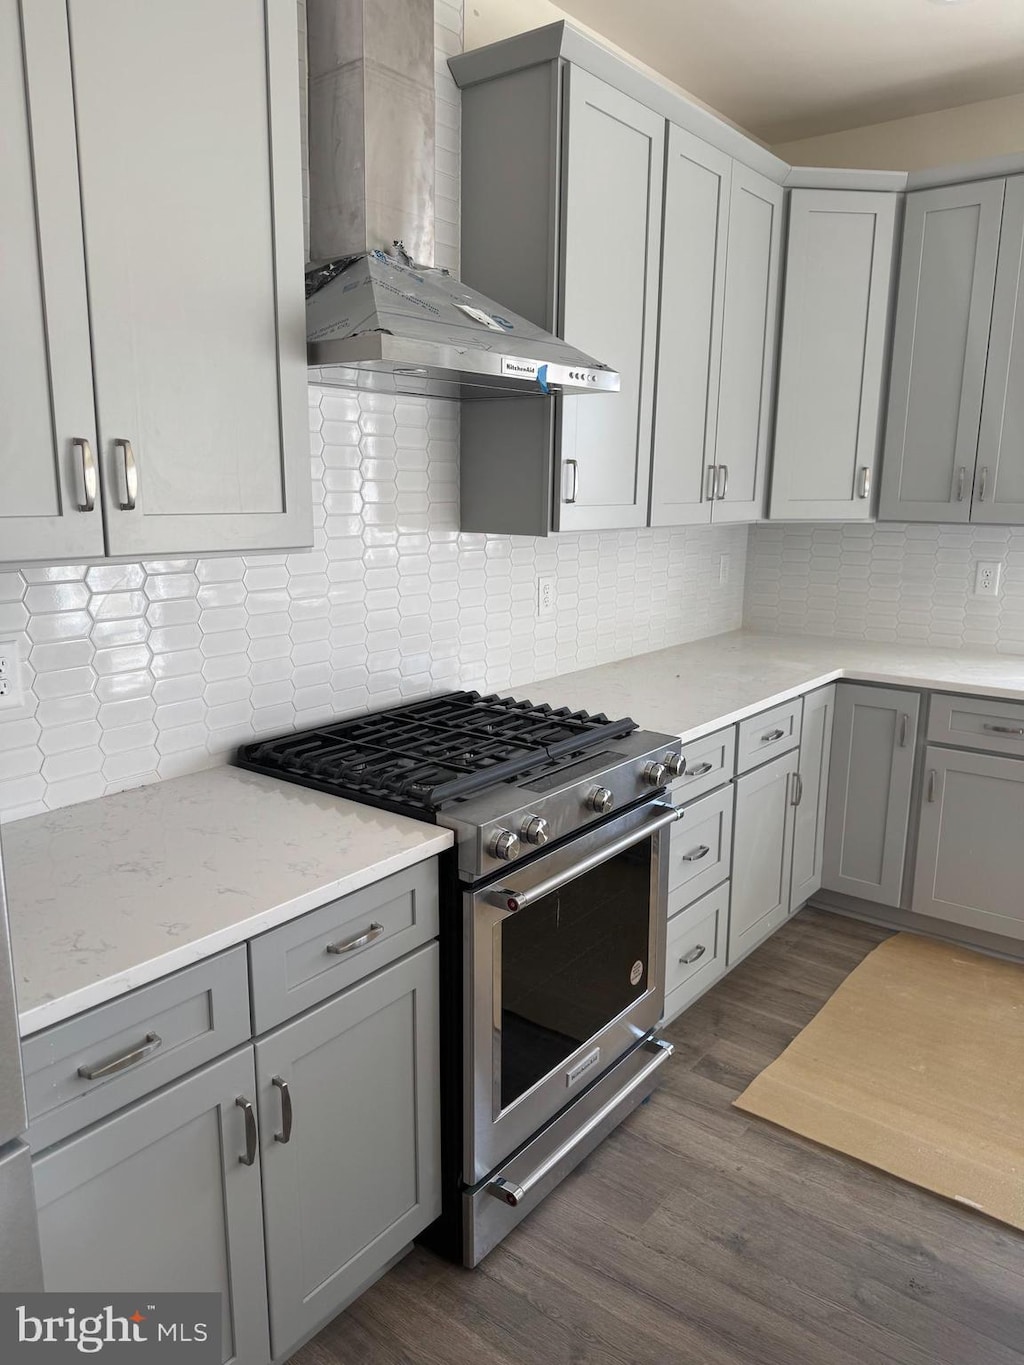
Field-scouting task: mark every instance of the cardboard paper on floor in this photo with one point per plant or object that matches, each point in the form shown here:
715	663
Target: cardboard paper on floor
915	1065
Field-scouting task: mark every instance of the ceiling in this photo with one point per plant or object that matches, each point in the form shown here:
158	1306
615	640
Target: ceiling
786	69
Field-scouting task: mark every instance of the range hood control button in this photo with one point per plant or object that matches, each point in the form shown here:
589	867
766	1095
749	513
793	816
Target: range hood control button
534	830
504	845
601	800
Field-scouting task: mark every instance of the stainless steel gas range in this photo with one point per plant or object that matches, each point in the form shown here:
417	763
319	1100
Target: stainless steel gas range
552	925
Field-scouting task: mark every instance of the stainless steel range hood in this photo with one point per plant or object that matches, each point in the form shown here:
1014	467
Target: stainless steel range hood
379	315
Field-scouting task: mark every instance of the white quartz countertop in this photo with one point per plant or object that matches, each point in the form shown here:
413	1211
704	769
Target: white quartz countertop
690	690
110	894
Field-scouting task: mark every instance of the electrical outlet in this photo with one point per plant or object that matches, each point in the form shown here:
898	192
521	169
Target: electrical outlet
986	578
10	675
546	596
723	570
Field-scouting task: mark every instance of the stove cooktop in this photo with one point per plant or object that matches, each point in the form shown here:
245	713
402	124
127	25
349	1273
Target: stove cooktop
428	754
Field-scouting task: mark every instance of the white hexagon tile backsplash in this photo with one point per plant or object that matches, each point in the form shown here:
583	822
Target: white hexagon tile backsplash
134	672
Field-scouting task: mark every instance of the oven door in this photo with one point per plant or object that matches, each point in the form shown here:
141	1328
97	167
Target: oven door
565	973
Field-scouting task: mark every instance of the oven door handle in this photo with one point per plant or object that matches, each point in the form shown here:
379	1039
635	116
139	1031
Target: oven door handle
513	901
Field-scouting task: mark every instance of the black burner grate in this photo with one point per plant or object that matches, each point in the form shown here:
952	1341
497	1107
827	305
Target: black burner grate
434	751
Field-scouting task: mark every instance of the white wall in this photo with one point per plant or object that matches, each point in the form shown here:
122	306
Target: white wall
143	671
968	133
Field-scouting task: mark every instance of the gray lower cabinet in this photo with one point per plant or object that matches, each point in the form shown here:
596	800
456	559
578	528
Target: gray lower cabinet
871	776
832	361
159	1197
969	843
809	821
762	854
349	1128
940	348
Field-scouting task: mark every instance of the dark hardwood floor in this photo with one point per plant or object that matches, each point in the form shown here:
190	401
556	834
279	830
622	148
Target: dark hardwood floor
697	1234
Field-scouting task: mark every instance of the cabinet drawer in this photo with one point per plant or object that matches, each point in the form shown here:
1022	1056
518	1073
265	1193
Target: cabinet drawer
80	1071
977	723
696	944
769	734
700	849
710	761
304	962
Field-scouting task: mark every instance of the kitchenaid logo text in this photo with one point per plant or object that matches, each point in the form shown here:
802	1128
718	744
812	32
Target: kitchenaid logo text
159	1327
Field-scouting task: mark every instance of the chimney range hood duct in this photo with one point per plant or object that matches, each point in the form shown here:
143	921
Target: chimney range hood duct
379	315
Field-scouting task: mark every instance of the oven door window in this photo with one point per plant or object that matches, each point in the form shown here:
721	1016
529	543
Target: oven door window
570	964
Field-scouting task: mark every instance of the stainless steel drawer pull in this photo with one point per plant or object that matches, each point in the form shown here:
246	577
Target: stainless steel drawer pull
574	467
130	472
712	482
931	785
285	1134
798	790
122	1061
961	482
904	729
249	1159
1005	729
865	481
88	502
983	486
692	955
697	854
772	736
700	770
722	483
349	945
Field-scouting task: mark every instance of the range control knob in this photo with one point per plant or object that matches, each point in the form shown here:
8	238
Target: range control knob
675	763
601	800
534	830
655	774
504	845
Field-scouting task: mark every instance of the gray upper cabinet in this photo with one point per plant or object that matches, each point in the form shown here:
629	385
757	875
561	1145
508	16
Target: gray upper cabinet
49	497
968	854
833	352
940	347
749	332
159	1198
697	182
349	1121
193	236
613	168
999	486
184	378
812	777
871	775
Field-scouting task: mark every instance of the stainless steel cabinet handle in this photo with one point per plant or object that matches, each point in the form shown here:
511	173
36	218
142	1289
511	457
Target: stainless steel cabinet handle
697	854
983	486
865	481
285	1135
130	474
514	901
692	955
711	483
931	784
961	482
574	467
798	790
349	945
122	1061
1004	729
700	770
249	1159
722	483
904	729
88	464
772	736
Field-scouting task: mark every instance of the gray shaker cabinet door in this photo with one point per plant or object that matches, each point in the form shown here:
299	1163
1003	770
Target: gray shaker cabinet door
157	1198
46	401
809	821
968	852
697	180
762	855
999	485
749	335
611	219
871	777
358	1176
833	351
940	345
188	127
